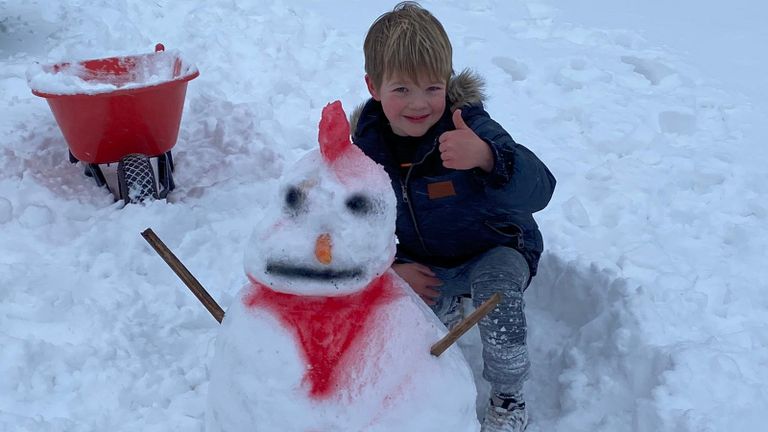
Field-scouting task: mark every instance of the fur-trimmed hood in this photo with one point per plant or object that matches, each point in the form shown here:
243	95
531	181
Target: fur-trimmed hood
466	88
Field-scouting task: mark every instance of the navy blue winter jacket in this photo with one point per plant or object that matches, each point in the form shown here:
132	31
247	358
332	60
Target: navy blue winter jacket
477	211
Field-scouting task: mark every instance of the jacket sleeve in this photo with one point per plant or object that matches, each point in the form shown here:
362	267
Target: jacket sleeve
519	180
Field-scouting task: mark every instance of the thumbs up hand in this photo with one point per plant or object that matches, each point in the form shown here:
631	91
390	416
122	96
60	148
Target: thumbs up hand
462	149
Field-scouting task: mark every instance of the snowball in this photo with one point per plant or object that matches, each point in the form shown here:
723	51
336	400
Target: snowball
36	216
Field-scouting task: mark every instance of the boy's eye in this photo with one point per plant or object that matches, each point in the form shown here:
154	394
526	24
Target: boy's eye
434	88
401	90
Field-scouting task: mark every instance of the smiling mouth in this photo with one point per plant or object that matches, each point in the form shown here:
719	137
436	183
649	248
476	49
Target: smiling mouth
298	272
417	118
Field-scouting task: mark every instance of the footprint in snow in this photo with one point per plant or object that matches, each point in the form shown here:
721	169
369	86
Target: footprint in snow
578	73
518	71
674	122
652	70
6	210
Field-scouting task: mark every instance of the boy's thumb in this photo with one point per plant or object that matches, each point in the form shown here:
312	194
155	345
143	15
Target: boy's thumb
458	121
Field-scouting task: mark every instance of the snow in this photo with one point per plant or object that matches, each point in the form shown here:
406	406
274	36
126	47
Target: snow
650	308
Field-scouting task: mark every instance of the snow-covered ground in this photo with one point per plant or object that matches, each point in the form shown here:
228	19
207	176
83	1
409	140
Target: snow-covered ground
650	312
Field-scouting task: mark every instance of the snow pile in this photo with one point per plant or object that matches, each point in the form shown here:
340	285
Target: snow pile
649	310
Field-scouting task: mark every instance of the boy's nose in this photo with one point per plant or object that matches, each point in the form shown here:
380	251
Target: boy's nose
417	103
323	248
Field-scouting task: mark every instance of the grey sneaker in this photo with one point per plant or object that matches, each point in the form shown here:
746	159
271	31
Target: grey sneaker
505	413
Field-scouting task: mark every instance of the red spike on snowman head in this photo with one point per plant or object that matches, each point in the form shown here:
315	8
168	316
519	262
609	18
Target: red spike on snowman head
346	160
350	165
334	132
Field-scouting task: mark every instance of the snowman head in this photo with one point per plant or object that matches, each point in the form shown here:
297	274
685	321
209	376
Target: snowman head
331	229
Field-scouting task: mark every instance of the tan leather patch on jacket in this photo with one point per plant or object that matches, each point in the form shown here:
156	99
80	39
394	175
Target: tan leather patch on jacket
440	189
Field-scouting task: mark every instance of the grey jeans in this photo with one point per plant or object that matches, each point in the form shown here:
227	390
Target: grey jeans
503	331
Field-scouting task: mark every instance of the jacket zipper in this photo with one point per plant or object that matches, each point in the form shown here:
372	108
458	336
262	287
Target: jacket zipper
407	201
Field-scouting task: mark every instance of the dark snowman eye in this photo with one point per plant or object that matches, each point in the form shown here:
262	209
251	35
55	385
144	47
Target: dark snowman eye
359	204
294	199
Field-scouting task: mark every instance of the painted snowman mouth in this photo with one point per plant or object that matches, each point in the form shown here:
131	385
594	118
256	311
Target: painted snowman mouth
299	272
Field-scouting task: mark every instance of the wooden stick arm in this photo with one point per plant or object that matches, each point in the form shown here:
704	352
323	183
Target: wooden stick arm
464	326
183	274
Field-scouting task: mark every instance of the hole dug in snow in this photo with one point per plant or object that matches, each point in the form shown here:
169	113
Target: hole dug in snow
590	364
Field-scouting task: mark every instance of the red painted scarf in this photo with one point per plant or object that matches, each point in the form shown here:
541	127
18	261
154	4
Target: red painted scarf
326	327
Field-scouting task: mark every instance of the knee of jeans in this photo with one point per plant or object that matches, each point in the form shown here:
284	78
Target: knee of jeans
502	257
500	281
501	265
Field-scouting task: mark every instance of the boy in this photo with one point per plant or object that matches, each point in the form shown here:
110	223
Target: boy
466	193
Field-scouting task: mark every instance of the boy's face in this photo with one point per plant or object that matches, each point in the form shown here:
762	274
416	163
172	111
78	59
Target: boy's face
410	108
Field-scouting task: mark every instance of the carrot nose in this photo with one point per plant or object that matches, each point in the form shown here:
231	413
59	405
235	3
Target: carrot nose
323	248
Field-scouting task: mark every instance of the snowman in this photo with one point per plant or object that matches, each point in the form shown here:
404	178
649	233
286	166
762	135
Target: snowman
325	337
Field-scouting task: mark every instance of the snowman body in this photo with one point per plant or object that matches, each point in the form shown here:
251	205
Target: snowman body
325	337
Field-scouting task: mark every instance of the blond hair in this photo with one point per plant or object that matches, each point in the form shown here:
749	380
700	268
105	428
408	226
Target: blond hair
407	42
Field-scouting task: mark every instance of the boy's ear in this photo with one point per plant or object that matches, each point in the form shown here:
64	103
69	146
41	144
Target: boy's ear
372	88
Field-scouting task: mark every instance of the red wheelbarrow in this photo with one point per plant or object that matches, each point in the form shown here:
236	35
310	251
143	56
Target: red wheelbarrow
123	110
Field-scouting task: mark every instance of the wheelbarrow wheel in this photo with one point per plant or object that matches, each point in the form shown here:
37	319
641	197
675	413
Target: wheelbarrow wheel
136	179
